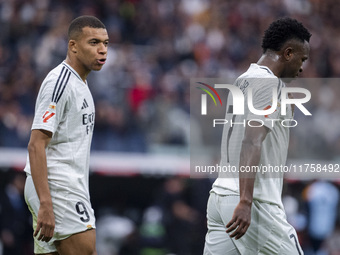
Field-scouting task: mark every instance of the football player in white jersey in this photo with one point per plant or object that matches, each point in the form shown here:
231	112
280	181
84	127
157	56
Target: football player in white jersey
57	167
245	212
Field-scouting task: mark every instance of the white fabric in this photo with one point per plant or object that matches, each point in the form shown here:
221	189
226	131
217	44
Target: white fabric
64	107
268	186
268	234
72	124
73	214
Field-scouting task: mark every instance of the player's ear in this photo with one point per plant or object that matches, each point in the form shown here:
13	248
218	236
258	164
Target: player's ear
288	53
72	46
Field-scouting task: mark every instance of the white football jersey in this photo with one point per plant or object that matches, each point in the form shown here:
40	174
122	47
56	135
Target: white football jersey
65	107
265	89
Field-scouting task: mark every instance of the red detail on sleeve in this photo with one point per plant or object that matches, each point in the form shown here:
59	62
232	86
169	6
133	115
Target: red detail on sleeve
47	117
266	108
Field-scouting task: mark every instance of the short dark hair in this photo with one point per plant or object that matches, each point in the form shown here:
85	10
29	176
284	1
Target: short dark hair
79	23
282	30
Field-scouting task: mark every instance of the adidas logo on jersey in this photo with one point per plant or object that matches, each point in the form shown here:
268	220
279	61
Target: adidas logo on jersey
85	105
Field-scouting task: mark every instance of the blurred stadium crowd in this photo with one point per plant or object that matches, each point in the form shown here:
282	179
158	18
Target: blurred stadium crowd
142	94
156	46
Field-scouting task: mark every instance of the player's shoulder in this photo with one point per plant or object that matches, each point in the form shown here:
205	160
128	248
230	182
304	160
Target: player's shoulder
62	76
52	77
258	71
260	77
60	73
56	83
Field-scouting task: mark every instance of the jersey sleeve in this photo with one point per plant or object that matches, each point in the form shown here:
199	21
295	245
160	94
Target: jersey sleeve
263	93
50	106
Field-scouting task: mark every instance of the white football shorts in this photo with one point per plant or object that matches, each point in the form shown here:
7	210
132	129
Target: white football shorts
269	232
72	211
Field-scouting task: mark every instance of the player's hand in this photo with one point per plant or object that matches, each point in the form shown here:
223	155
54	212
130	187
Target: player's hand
240	221
45	223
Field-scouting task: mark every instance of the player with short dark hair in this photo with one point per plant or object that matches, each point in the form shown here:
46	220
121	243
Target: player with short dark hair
279	32
76	27
248	205
57	167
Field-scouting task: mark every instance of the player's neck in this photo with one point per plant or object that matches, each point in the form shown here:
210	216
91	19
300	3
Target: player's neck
78	68
272	61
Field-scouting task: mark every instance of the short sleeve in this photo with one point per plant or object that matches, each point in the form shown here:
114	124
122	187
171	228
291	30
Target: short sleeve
48	111
264	92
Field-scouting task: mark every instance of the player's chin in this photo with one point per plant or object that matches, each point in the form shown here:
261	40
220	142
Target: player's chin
97	67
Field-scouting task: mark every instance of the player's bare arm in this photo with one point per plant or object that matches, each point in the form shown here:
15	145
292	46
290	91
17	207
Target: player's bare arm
37	156
250	156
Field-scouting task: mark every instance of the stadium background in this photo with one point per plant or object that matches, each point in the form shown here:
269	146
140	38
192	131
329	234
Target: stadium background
145	201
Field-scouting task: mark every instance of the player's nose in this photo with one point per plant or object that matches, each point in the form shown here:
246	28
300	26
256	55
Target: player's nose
102	49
